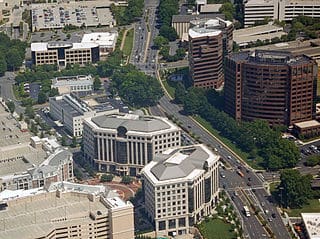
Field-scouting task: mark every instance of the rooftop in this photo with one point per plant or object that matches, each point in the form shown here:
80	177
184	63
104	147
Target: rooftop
45	46
209	8
307	124
180	163
132	122
37	213
270	57
188	18
106	39
312	224
72	80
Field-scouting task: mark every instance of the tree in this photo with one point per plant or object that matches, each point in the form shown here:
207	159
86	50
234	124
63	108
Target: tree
3	65
14	59
168	32
294	189
11	106
179	93
29	112
126	179
96	83
63	140
74	142
228	9
42	97
106	178
53	92
313	160
160	41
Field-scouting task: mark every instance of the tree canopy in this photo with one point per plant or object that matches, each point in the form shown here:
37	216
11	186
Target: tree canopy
128	14
294	188
12	53
255	138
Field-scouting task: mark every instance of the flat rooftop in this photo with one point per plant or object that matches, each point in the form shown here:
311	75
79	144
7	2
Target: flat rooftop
210	8
88	13
252	34
308	124
10	133
104	39
44	46
132	122
312	224
310	48
72	80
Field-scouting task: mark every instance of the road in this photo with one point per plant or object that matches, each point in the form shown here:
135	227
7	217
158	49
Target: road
6	84
233	182
144	55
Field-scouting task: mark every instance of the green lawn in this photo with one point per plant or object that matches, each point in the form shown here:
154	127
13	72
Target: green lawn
216	229
169	88
128	43
313	206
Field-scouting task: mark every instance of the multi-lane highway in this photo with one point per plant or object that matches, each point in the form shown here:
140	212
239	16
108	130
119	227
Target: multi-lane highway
249	184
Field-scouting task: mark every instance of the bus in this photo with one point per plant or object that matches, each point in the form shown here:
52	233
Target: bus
240	173
246	211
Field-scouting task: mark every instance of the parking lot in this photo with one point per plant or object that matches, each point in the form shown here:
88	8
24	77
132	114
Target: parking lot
54	16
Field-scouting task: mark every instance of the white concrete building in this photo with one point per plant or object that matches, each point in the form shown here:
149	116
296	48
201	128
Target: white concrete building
65	210
125	143
71	111
312	224
181	188
282	10
34	165
73	84
106	41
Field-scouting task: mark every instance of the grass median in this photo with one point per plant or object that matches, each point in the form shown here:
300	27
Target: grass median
128	43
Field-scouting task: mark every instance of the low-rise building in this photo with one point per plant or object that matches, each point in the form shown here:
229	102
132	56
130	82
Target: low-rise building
125	143
181	188
64	53
81	85
71	111
243	37
65	210
34	165
106	41
307	129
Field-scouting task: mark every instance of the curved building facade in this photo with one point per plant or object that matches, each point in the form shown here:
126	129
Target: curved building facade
270	85
124	144
209	41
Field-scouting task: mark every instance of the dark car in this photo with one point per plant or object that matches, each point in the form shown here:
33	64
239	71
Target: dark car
249	179
249	184
273	215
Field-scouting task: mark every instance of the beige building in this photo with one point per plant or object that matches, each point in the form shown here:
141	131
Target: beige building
181	188
65	210
63	53
125	143
282	10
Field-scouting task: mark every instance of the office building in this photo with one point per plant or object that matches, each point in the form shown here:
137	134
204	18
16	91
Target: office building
65	210
209	42
181	188
33	165
311	223
71	111
282	10
125	143
80	85
276	86
106	41
63	53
